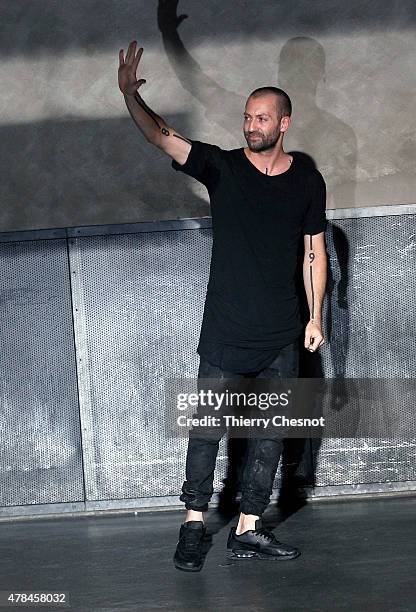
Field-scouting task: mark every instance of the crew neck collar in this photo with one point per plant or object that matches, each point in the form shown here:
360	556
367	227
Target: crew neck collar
267	176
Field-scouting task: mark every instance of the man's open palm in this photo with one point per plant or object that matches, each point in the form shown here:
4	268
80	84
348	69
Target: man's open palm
127	79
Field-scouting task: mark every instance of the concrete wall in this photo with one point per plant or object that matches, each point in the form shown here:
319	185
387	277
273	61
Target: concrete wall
70	154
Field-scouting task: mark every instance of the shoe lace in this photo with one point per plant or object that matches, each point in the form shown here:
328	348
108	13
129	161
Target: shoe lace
192	539
266	534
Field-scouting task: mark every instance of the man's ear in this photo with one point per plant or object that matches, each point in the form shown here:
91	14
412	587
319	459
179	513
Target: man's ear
284	123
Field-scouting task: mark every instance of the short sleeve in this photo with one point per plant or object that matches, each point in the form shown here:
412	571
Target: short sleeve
315	219
203	163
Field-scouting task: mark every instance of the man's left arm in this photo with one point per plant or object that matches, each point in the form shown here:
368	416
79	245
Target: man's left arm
314	278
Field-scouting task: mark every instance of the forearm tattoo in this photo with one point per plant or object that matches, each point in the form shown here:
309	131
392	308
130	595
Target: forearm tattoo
153	116
311	258
147	110
182	138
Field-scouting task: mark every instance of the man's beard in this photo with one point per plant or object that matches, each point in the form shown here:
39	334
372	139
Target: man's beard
263	142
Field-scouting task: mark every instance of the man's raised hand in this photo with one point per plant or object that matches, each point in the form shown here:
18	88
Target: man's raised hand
154	128
127	79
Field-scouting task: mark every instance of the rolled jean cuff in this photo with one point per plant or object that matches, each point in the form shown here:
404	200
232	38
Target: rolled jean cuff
252	503
249	508
194	500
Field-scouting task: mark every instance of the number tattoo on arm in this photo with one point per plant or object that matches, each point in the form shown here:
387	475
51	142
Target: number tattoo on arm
311	258
153	116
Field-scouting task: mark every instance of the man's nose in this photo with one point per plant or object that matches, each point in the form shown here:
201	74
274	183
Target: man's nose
252	126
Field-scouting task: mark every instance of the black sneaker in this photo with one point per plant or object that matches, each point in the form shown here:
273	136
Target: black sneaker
189	551
259	543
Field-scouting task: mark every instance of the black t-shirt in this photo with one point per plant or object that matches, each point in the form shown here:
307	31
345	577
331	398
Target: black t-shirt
251	307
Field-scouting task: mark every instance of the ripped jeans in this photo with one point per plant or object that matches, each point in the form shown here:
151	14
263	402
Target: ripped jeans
263	455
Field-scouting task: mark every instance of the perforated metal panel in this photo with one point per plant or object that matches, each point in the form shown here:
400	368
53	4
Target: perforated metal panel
140	302
40	455
139	299
370	322
370	312
137	308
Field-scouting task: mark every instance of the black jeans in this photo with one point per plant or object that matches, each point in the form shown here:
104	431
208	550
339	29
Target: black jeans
262	457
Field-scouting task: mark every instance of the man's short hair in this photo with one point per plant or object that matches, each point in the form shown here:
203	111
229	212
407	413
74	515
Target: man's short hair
285	104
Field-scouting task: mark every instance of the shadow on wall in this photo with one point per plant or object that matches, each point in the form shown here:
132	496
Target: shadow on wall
80	172
314	131
95	172
55	27
76	171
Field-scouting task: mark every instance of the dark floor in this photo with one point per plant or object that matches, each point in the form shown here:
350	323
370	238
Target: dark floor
356	555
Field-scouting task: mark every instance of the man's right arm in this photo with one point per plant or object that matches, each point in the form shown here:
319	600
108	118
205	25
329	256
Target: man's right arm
154	128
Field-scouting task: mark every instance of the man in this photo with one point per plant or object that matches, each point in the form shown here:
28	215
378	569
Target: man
262	201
